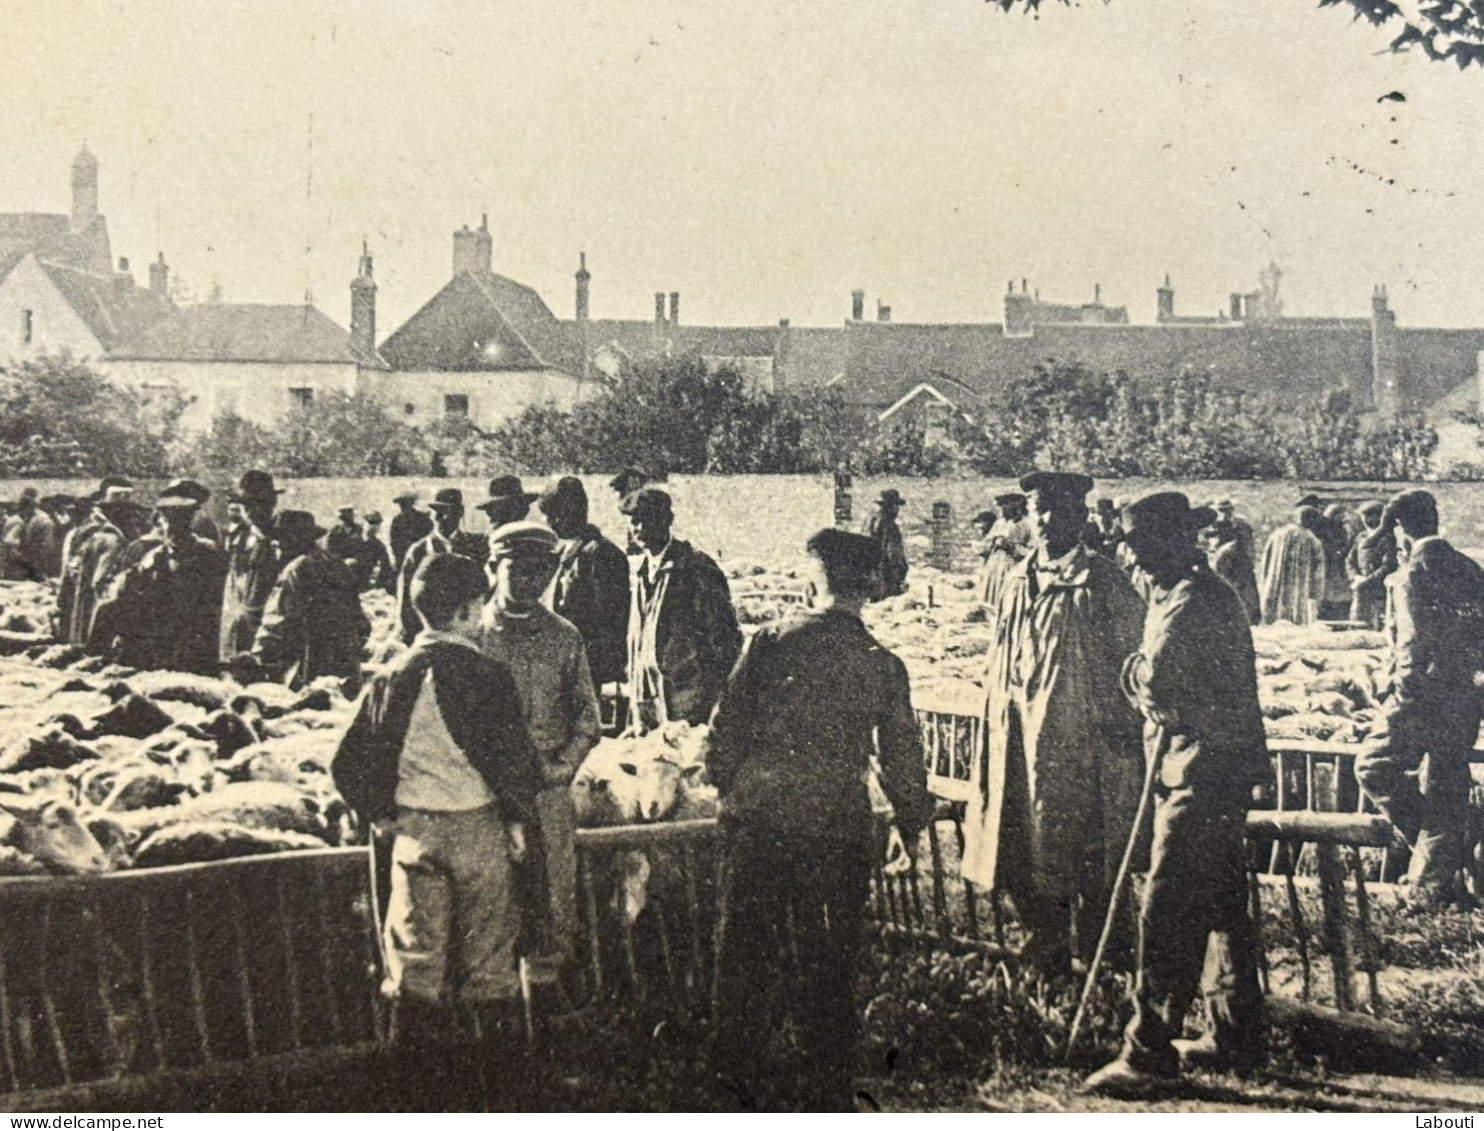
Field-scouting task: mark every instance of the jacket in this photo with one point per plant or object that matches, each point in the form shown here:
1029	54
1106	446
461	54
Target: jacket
591	590
480	707
462	542
344	542
1194	682
163	609
252	571
683	637
809	705
888	536
406	529
313	624
1231	563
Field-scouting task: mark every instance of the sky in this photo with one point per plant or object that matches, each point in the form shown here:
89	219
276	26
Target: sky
761	157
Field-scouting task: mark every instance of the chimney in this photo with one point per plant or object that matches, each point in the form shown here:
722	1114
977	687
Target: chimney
674	308
1025	287
123	265
1097	294
857	305
473	251
123	281
159	277
363	306
659	308
1236	305
1386	393
883	312
1166	299
84	190
582	278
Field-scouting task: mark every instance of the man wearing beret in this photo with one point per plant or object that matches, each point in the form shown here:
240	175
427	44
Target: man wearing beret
592	582
1194	682
1371	560
810	703
313	624
545	655
683	637
1436	624
163	610
1055	788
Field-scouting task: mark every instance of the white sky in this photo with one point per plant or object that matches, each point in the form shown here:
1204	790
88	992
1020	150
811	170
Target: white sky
761	157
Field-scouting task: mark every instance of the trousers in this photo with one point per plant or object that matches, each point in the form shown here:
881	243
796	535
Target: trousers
558	820
792	911
1194	930
1426	798
452	920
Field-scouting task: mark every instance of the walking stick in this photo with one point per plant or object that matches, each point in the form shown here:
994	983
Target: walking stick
1113	902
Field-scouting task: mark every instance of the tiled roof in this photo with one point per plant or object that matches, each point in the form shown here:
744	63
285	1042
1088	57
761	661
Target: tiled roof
482	321
113	311
50	236
245	332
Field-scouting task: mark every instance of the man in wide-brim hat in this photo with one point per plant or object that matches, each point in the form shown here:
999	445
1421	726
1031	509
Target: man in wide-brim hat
1053	801
252	563
881	527
1194	682
508	501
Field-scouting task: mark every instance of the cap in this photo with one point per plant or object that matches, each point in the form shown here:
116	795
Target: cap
299	526
347	511
1166	513
1067	484
648	500
182	493
566	493
255	486
504	490
839	549
516	539
449	498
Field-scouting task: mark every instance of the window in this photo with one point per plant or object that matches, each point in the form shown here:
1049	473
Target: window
302	397
28	326
456	404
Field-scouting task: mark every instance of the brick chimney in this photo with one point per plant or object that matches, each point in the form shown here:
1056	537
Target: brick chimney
159	277
857	305
659	308
583	278
1166	297
363	305
883	312
1020	314
1236	307
1387	395
674	308
123	280
473	251
1097	294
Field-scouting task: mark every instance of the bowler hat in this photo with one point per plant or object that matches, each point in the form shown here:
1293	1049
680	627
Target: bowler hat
504	490
406	497
1063	483
299	526
567	493
891	495
448	498
253	487
1165	513
517	539
648	500
182	493
373	518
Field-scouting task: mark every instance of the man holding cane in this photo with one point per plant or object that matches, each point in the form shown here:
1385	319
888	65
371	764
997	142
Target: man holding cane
1194	682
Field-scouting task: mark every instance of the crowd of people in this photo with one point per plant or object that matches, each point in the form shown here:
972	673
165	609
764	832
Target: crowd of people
1121	695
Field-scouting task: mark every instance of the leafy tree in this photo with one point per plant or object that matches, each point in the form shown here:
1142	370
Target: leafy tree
60	417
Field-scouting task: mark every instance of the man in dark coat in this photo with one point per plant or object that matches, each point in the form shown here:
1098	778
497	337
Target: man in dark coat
1194	681
408	527
163	610
74	601
374	566
39	544
1437	632
592	582
313	625
252	564
343	541
882	529
683	636
447	537
1372	559
809	705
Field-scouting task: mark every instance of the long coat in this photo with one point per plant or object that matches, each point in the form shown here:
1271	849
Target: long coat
1058	777
683	637
313	624
252	571
1001	555
1292	575
1231	563
163	610
893	562
591	590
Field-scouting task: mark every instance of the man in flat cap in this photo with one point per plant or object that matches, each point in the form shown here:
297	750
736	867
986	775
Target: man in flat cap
1054	791
683	636
1371	560
811	702
881	527
313	625
508	501
546	656
252	564
591	588
408	527
447	537
1194	682
1436	624
164	609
